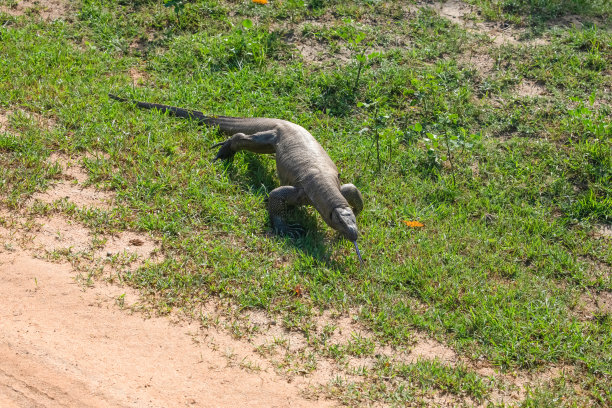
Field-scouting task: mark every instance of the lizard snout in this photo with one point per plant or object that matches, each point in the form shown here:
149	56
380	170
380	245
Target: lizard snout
344	221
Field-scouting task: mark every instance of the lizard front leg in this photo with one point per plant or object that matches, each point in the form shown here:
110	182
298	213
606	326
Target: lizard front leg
260	142
353	196
280	200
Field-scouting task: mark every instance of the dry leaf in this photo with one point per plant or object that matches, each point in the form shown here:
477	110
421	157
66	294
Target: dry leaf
413	224
136	242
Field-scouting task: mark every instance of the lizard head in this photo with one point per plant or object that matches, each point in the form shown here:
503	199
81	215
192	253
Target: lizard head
344	221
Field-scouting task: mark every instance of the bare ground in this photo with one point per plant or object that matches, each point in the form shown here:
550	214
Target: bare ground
463	14
48	10
63	346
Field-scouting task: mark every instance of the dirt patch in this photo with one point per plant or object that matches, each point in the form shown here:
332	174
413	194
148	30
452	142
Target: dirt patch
289	351
429	349
3	121
131	248
458	12
42	235
139	45
483	63
597	268
593	304
453	9
71	187
70	166
475	168
445	400
342	330
314	52
529	89
57	237
270	332
603	231
139	78
57	233
515	385
42	122
60	345
578	21
75	193
314	49
466	16
48	10
339	329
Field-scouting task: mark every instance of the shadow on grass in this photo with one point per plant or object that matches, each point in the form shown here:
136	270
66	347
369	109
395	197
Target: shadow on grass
309	233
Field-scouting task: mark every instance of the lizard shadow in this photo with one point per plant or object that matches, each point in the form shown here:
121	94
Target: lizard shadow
260	179
251	173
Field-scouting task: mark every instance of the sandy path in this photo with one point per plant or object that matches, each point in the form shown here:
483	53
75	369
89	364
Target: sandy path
61	346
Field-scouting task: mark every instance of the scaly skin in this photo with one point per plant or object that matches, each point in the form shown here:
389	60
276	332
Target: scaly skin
307	174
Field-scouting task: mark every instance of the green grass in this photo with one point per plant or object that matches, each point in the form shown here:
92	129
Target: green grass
507	246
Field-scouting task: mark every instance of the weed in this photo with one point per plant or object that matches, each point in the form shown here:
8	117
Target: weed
377	123
177	5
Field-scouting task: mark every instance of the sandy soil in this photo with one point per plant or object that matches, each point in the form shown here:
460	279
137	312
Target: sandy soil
63	346
47	9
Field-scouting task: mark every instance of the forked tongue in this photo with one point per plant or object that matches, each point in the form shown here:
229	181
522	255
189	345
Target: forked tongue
358	253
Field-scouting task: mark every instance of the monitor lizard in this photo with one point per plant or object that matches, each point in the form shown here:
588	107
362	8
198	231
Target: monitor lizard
307	174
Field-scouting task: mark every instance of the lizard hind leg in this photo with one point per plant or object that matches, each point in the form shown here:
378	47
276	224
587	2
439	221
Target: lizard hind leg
353	196
279	201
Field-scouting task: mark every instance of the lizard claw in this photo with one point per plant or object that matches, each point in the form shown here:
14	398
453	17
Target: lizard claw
225	152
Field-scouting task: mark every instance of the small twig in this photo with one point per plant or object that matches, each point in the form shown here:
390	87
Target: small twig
377	136
450	159
358	74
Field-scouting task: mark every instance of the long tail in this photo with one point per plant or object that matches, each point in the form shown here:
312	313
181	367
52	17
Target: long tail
227	124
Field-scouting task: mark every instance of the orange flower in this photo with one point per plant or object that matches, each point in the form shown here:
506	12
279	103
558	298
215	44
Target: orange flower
413	224
260	1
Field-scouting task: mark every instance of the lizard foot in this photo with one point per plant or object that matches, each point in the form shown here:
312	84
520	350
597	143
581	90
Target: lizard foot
225	152
293	231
